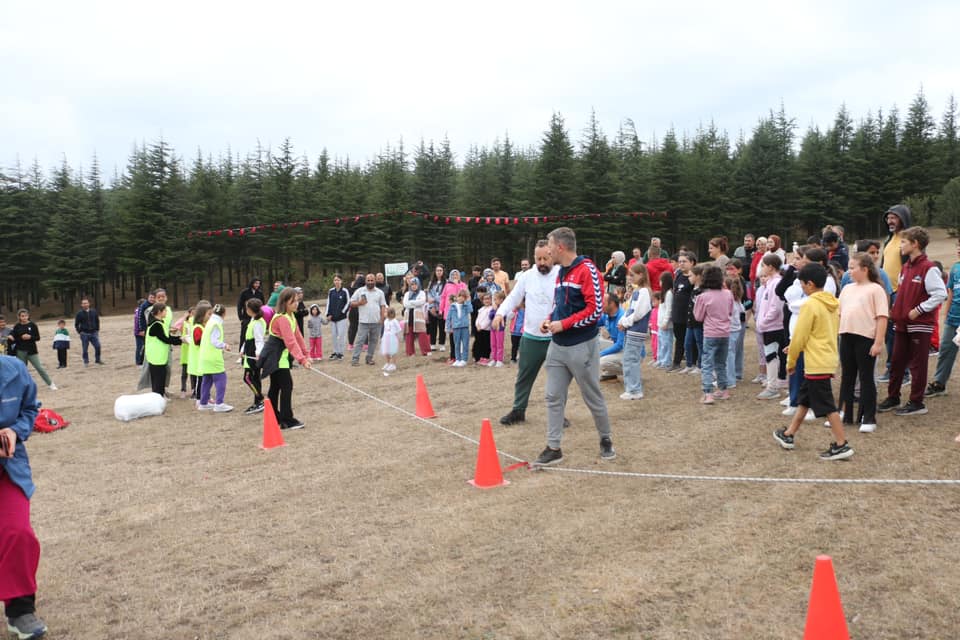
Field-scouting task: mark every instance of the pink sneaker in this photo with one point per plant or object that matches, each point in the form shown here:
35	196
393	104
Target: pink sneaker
722	395
483	362
707	398
451	361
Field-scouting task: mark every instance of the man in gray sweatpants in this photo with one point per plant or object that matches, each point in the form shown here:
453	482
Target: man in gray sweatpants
573	353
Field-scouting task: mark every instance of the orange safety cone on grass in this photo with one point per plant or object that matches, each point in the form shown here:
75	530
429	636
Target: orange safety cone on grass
488	473
825	619
272	438
424	408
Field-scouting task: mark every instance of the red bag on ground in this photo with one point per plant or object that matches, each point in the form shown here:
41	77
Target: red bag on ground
49	420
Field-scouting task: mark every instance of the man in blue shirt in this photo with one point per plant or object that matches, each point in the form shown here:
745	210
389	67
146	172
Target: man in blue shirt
611	358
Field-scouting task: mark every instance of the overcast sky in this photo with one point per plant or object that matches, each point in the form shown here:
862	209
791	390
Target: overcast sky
81	78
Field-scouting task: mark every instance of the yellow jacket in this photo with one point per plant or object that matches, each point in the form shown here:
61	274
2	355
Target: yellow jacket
816	335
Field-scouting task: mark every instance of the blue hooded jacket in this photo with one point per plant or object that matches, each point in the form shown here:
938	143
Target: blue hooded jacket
18	410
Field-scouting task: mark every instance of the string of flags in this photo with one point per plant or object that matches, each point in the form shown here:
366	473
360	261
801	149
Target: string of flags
439	218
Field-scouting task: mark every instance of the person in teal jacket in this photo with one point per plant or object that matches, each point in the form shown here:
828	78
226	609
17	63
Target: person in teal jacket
19	547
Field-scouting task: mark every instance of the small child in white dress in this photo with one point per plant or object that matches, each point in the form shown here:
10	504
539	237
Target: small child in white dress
390	342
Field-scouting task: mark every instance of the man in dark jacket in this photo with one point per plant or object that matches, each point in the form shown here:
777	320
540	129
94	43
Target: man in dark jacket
384	286
87	324
573	353
253	290
896	220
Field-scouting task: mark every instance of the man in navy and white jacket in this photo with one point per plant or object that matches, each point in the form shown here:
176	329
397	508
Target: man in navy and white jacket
573	353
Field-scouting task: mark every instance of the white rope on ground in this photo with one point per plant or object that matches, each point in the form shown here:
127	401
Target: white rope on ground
648	476
435	425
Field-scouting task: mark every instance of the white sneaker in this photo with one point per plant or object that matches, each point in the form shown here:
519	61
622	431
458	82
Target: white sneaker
759	379
391	367
460	363
785	402
53	387
631	396
789	411
499	364
204	407
868	427
810	415
768	394
222	408
694	371
491	363
826	423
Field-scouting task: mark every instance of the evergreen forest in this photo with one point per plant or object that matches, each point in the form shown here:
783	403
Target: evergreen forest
70	230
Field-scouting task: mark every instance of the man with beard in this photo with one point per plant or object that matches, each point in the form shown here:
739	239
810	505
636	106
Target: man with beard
896	219
535	289
371	309
385	287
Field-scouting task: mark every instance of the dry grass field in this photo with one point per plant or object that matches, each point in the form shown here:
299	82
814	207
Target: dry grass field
365	527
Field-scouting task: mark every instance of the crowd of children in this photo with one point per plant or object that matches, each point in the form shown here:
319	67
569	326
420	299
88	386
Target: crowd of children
811	319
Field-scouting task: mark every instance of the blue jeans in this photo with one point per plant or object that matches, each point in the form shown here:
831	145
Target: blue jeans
693	345
948	353
735	356
714	360
87	339
665	347
461	342
138	355
632	355
796	379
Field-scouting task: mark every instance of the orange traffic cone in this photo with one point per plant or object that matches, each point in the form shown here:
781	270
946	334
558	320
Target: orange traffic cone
488	473
424	408
825	619
272	438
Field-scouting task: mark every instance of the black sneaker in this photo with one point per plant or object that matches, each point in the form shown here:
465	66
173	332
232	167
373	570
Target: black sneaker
295	424
911	409
837	452
935	389
515	416
889	404
606	449
549	457
252	409
780	435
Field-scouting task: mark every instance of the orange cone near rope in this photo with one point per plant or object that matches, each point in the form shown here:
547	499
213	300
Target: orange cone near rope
488	473
272	438
825	619
424	408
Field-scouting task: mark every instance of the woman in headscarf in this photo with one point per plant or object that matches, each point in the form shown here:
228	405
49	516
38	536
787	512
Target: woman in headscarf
414	318
435	320
450	289
616	273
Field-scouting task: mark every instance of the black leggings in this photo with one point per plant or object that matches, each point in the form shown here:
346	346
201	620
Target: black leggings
773	344
281	395
158	377
481	345
514	347
855	360
436	329
251	377
679	335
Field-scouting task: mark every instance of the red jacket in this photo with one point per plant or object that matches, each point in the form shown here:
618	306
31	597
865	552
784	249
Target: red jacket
911	294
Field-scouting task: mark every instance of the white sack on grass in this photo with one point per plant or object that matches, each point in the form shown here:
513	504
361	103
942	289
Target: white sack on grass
128	408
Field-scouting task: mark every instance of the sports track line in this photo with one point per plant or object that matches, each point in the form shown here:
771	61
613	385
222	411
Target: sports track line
635	474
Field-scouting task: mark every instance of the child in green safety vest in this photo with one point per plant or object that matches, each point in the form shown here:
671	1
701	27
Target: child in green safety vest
212	348
201	313
285	344
253	339
157	346
185	326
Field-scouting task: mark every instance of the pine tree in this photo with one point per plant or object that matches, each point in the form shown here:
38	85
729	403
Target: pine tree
555	170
